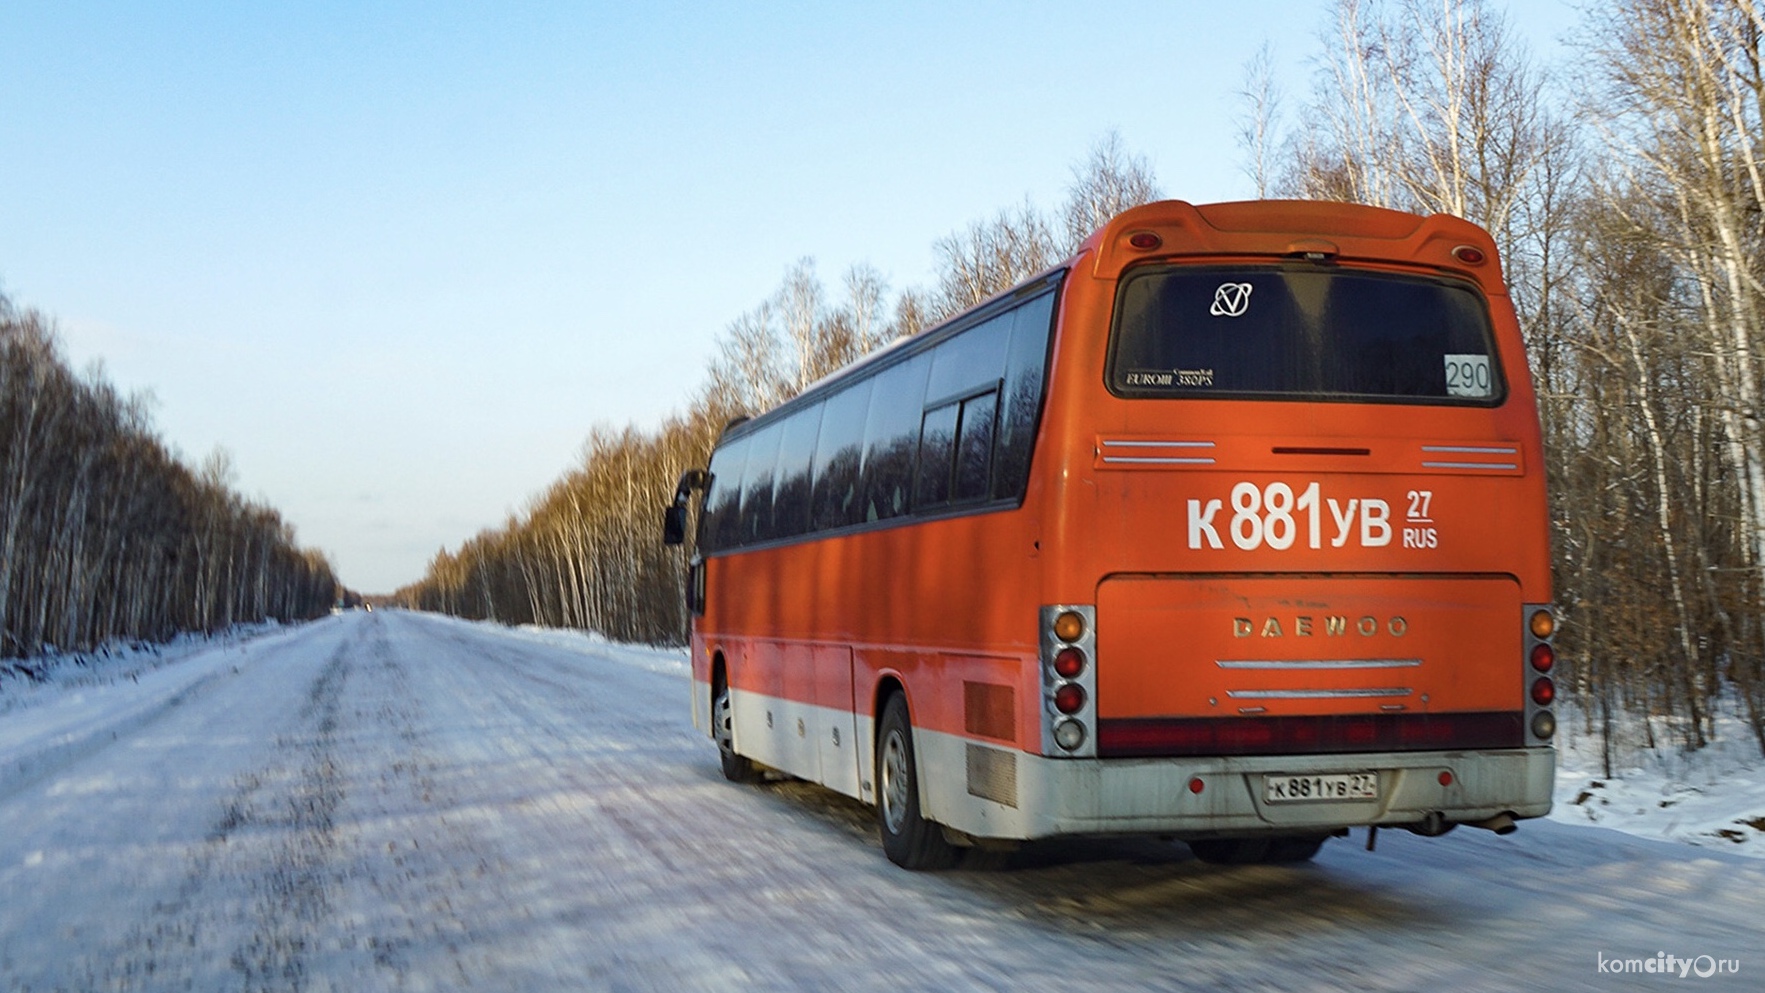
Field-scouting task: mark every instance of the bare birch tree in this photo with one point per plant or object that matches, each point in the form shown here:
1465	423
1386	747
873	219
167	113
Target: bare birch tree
1109	181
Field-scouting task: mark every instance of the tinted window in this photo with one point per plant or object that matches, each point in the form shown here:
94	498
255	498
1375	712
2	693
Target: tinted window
937	445
974	447
790	495
756	512
1302	332
838	452
891	437
1023	395
974	358
723	499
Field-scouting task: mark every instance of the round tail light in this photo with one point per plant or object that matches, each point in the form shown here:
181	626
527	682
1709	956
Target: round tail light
1543	724
1069	626
1543	625
1069	698
1069	663
1543	657
1069	735
1544	691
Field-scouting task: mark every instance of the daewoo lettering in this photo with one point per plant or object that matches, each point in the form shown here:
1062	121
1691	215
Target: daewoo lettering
1334	626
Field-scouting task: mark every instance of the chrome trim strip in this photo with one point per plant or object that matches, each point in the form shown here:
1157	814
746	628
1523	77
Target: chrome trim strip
1150	460
1299	664
1471	449
1350	694
1470	465
1114	443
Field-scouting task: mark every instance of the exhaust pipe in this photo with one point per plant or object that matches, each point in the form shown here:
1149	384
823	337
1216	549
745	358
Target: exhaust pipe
1501	824
1432	825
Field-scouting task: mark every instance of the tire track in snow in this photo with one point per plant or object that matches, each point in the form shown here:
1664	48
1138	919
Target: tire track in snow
292	898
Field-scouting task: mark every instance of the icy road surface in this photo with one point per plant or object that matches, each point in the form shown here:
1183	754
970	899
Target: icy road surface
392	801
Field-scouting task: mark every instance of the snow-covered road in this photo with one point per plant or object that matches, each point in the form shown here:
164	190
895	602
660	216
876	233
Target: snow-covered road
392	801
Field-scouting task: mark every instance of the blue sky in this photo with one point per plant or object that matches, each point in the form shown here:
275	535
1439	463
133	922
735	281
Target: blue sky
398	258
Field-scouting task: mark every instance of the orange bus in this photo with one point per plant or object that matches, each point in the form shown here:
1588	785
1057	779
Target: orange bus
1231	528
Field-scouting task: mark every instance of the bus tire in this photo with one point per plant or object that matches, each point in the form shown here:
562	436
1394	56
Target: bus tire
1255	851
1294	848
1230	851
909	840
736	768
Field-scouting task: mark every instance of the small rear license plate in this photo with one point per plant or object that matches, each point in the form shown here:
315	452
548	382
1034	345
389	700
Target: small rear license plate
1338	786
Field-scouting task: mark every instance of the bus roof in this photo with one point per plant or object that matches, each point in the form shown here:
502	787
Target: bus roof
1297	228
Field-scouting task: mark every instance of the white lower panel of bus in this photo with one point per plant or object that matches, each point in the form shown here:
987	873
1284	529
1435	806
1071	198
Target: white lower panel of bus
1238	795
992	792
820	744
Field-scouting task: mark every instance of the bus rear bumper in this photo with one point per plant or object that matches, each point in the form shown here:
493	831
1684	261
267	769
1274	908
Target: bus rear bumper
1216	797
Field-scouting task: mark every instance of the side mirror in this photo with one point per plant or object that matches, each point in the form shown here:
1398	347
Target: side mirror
674	515
674	524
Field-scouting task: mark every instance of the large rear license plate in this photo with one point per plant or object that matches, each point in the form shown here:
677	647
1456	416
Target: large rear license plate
1341	786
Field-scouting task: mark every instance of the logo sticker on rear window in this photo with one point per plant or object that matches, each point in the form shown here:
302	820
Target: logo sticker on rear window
1230	300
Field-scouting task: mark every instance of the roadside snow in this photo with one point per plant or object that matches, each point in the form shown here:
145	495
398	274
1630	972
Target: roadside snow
57	673
669	661
1712	798
81	702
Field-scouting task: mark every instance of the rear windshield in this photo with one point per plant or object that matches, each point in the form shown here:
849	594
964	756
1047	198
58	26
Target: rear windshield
1302	332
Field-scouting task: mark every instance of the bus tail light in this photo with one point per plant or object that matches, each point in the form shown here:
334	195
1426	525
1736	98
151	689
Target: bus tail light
1538	627
1544	692
1069	626
1069	698
1543	657
1069	680
1542	625
1069	735
1069	663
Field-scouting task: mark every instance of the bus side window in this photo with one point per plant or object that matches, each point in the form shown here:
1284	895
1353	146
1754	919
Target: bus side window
891	437
790	496
756	513
970	361
974	447
838	451
723	501
1021	402
937	443
956	452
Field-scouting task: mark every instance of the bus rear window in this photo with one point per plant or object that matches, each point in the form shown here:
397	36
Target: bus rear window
1302	333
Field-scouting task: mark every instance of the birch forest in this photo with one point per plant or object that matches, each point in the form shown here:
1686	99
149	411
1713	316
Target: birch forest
105	536
1626	186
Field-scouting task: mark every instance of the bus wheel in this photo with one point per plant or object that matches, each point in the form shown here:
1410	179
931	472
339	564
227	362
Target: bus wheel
910	841
1294	848
1251	851
1230	851
736	768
